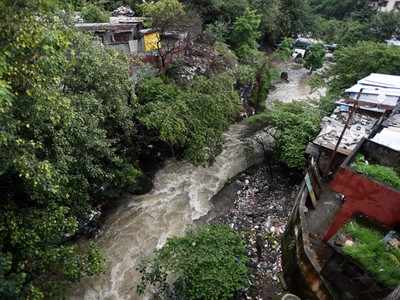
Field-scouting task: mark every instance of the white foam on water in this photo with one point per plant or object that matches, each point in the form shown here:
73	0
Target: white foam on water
181	194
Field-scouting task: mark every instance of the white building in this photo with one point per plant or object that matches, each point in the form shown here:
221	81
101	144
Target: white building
386	5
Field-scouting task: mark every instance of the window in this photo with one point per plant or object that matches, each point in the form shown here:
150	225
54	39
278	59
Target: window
121	37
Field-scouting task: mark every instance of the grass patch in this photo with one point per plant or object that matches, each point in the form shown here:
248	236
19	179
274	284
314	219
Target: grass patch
315	81
383	174
381	261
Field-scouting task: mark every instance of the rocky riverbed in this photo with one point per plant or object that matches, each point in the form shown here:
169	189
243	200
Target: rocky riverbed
257	203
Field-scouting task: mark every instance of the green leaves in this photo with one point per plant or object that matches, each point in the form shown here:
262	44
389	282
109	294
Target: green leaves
362	59
207	263
193	118
295	124
92	13
246	33
165	14
381	173
369	249
314	58
66	142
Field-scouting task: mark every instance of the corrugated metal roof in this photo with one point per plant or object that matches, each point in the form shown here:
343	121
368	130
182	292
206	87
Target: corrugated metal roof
360	126
374	90
390	134
389	137
104	26
381	80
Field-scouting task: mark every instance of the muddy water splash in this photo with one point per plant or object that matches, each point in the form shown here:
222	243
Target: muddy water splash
297	88
181	195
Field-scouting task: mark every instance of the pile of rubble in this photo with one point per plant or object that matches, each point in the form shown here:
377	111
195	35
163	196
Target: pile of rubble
124	11
260	211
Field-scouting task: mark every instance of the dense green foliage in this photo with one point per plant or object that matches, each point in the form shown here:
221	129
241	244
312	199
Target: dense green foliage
314	58
341	9
94	14
207	263
213	11
164	14
383	174
294	17
193	118
64	125
246	33
269	12
73	136
278	18
362	59
285	50
295	125
370	251
377	27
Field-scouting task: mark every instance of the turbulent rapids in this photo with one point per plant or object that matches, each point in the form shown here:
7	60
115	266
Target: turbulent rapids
181	195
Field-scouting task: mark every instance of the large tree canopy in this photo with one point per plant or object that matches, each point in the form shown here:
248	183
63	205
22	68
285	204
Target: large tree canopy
65	119
355	62
342	9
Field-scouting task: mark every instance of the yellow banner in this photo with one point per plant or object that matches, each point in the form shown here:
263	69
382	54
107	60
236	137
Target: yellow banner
151	41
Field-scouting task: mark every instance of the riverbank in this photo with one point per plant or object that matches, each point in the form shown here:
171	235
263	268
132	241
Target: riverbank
257	203
180	196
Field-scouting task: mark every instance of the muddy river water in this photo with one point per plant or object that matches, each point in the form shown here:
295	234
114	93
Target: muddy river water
181	195
180	198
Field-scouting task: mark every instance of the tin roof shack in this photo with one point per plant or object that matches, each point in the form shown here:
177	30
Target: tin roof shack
362	124
366	105
313	268
378	93
368	186
389	135
121	32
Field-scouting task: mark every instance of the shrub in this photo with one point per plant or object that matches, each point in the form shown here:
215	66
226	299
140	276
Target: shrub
245	33
296	124
93	14
285	49
381	173
314	58
356	62
208	263
316	81
192	118
228	57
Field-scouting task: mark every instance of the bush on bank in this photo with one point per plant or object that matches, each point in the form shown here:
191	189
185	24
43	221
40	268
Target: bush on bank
207	263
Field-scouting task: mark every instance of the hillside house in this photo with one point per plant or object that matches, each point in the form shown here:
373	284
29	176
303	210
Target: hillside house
123	32
364	129
386	5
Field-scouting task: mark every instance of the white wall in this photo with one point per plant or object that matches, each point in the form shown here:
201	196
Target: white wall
389	6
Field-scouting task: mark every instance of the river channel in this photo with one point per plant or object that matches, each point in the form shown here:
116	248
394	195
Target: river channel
181	196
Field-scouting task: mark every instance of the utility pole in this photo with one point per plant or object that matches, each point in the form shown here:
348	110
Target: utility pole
353	110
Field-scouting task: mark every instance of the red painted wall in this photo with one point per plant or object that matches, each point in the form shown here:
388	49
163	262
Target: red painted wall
365	196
